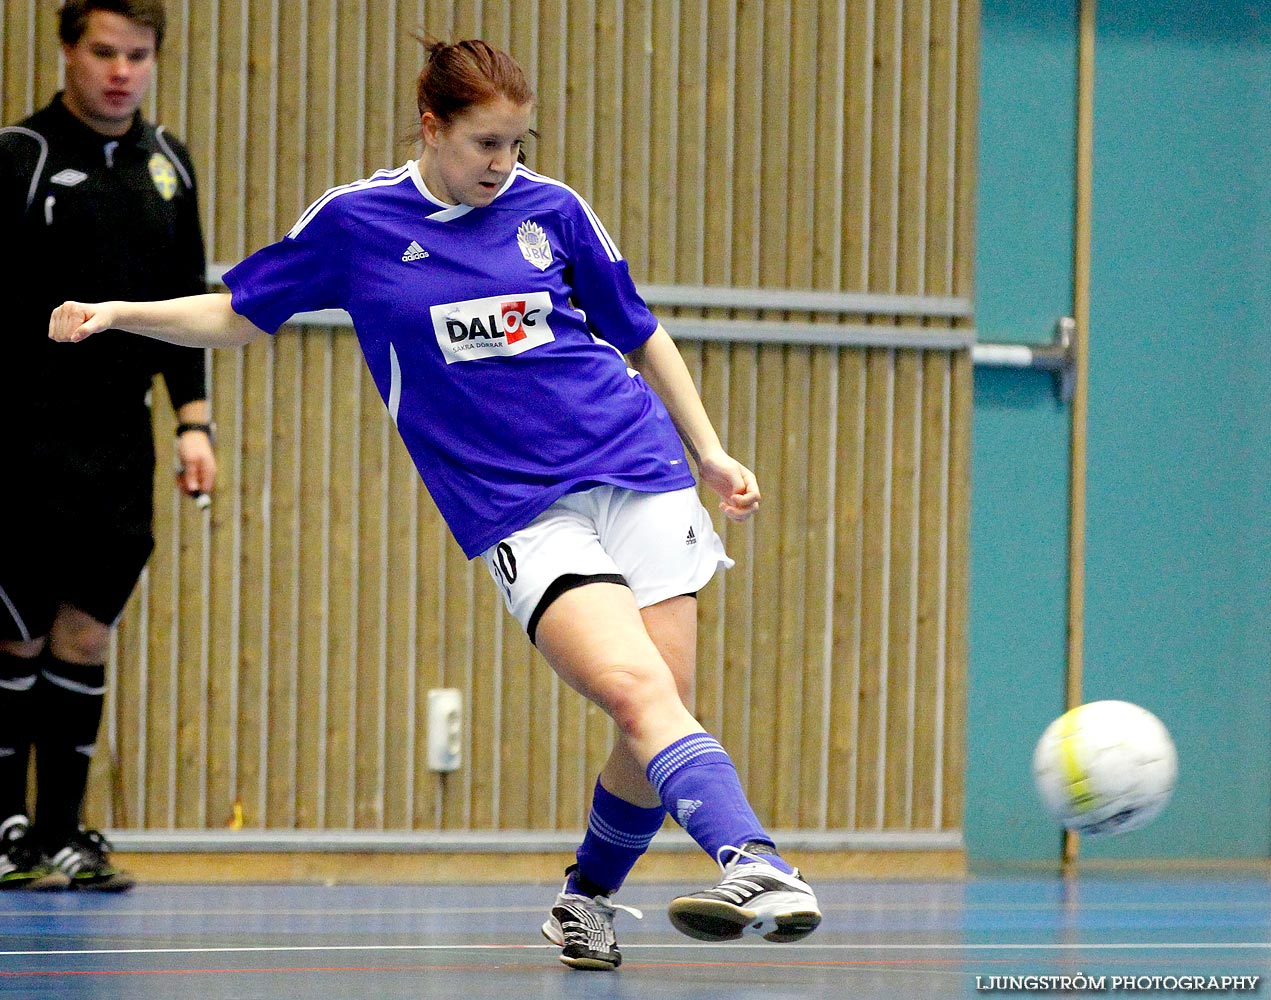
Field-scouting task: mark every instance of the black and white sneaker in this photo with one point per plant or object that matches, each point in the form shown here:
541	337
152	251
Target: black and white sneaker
752	898
84	861
22	865
582	926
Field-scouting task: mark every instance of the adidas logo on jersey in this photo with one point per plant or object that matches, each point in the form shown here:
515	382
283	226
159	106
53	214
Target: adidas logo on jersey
414	252
692	538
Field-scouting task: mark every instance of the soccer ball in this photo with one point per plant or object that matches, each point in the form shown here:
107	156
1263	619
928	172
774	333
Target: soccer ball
1105	767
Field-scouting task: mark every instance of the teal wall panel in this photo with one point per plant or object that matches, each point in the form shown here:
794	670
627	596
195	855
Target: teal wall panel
1179	513
1020	430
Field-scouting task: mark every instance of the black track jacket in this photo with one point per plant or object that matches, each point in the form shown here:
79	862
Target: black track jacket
90	217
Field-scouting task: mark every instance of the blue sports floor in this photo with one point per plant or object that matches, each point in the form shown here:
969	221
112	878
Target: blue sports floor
879	939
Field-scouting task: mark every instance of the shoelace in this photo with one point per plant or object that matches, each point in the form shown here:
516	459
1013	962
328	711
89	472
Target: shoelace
581	931
610	907
737	854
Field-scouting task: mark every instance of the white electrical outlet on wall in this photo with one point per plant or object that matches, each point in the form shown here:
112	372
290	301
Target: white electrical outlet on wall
445	729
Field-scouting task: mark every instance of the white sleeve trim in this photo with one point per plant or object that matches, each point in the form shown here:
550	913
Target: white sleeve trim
39	165
381	178
176	160
394	382
611	248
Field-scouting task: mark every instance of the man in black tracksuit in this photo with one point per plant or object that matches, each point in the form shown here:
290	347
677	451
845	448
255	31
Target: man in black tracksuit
94	203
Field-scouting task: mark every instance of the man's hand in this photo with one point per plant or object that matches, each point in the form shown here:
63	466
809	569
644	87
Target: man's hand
196	464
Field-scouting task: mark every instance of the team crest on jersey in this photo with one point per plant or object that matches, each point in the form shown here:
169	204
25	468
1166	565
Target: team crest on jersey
163	175
496	326
534	246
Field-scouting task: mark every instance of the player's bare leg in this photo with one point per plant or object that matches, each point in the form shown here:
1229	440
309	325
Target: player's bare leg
596	639
672	626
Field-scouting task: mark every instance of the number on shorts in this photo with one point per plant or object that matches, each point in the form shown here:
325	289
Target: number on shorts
505	564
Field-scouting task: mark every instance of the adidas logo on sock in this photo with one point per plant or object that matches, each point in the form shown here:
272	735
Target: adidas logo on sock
414	252
684	808
692	538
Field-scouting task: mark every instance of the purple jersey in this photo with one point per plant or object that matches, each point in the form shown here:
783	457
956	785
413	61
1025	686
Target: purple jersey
493	335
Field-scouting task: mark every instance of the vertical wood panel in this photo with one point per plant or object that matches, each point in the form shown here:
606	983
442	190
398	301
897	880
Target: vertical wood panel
709	366
797	479
485	710
882	250
429	617
741	661
662	67
875	591
820	513
21	46
402	650
769	675
285	493
942	138
161	688
842	760
697	110
632	114
913	146
252	627
742	130
857	150
930	666
954	745
896	717
224	597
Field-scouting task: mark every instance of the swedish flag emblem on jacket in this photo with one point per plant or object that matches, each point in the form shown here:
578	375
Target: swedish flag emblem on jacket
164	176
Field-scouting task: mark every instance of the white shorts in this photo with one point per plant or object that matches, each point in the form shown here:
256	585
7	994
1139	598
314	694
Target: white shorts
661	545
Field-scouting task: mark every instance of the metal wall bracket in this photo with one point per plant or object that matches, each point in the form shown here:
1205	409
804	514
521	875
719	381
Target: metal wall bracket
1059	356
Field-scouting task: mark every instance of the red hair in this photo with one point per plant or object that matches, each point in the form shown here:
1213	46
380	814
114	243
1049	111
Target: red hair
458	75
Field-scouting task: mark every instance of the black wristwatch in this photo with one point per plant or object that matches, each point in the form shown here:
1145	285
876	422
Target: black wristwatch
208	429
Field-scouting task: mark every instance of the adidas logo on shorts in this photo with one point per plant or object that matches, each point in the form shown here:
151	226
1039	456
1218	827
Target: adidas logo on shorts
692	538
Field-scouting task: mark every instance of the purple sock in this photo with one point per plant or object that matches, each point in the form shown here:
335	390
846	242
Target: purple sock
618	832
699	787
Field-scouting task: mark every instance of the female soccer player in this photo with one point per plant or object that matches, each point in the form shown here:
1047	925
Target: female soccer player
494	312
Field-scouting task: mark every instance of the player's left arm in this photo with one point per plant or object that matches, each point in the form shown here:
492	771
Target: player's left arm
661	365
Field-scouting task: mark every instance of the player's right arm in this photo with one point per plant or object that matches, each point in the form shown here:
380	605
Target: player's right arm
193	321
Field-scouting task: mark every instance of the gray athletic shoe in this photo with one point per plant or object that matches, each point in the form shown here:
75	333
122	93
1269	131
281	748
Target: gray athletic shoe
752	898
582	926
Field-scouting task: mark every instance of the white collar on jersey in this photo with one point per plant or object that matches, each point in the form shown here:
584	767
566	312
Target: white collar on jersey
446	212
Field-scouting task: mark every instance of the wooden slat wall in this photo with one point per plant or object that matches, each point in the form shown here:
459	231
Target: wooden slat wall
278	652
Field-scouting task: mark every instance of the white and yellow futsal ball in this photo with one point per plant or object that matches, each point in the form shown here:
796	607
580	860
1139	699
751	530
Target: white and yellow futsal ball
1105	767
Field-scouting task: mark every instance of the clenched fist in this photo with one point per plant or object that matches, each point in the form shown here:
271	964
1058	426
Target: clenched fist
71	322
